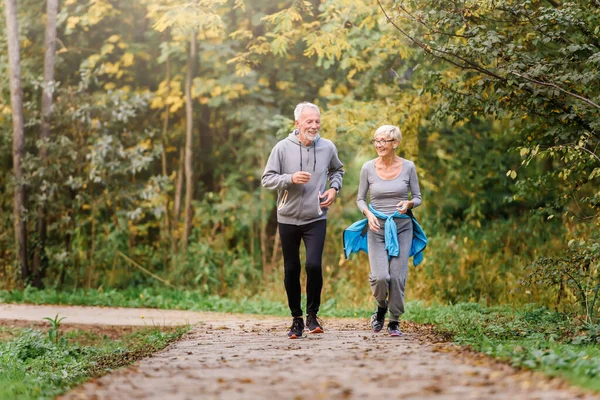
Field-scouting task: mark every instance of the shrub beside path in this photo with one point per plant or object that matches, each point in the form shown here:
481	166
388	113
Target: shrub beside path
228	356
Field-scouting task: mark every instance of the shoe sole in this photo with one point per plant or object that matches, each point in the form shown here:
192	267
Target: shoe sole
295	337
316	330
395	334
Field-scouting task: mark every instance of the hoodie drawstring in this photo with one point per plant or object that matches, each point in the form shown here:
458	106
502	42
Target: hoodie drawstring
314	153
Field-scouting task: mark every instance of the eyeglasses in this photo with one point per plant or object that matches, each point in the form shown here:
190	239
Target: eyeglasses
381	142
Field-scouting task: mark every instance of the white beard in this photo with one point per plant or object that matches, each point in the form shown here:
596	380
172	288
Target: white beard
311	136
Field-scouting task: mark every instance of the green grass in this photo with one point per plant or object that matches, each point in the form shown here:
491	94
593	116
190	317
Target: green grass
169	299
34	367
532	337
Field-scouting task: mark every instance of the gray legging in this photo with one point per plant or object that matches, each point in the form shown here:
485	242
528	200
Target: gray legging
388	277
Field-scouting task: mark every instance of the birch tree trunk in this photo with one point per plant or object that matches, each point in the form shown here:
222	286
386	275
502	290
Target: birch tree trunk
49	60
189	177
16	99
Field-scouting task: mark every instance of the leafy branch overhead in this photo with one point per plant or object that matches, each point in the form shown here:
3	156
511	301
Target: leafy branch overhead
532	62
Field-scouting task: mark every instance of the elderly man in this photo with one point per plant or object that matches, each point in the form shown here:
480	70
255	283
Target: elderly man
298	168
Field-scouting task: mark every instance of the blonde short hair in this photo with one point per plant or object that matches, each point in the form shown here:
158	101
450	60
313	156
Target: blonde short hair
389	131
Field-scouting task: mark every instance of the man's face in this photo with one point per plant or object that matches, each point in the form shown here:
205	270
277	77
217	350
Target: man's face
308	124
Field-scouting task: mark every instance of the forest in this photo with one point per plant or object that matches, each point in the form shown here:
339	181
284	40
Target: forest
133	136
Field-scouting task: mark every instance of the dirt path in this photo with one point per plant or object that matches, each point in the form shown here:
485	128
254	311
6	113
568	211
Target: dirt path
249	357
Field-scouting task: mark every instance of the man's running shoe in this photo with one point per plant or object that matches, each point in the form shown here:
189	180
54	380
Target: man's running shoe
394	329
297	328
313	324
378	319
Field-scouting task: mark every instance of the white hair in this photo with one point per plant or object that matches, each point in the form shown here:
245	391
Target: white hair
300	107
389	131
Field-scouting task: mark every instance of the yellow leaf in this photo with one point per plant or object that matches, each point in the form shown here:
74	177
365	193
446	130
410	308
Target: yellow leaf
173	99
111	68
341	89
109	86
325	90
107	49
113	39
146	144
242	69
127	59
175	107
283	85
72	22
157	102
92	60
217	90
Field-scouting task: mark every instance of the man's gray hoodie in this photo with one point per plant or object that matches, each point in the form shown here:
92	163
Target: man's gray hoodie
298	204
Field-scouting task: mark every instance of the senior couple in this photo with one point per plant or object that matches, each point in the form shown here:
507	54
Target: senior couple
307	173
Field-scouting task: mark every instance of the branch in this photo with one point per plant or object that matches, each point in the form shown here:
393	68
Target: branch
554	3
467	64
577	147
144	269
590	102
420	21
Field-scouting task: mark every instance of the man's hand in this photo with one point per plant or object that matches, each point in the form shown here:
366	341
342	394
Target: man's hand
329	196
300	177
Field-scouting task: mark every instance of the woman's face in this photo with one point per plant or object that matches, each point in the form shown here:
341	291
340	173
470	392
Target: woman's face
384	146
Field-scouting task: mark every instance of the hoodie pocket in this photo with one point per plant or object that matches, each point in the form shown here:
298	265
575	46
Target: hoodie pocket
319	209
283	200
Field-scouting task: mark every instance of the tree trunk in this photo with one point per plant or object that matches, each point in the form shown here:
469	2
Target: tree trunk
39	259
166	228
275	253
16	98
189	177
263	225
206	149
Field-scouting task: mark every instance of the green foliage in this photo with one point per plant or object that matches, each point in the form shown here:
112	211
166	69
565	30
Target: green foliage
511	61
53	332
33	366
163	298
533	337
111	188
578	270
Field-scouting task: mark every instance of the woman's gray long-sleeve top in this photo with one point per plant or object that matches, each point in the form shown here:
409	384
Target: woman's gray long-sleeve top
386	193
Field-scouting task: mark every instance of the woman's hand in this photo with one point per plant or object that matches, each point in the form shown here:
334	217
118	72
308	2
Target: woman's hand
404	206
373	221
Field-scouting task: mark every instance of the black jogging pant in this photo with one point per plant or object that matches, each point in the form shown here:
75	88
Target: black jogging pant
313	235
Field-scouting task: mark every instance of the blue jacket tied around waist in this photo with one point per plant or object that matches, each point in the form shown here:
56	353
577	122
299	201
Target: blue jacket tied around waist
355	236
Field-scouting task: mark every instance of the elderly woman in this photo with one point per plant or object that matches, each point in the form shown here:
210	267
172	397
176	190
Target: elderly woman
389	179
